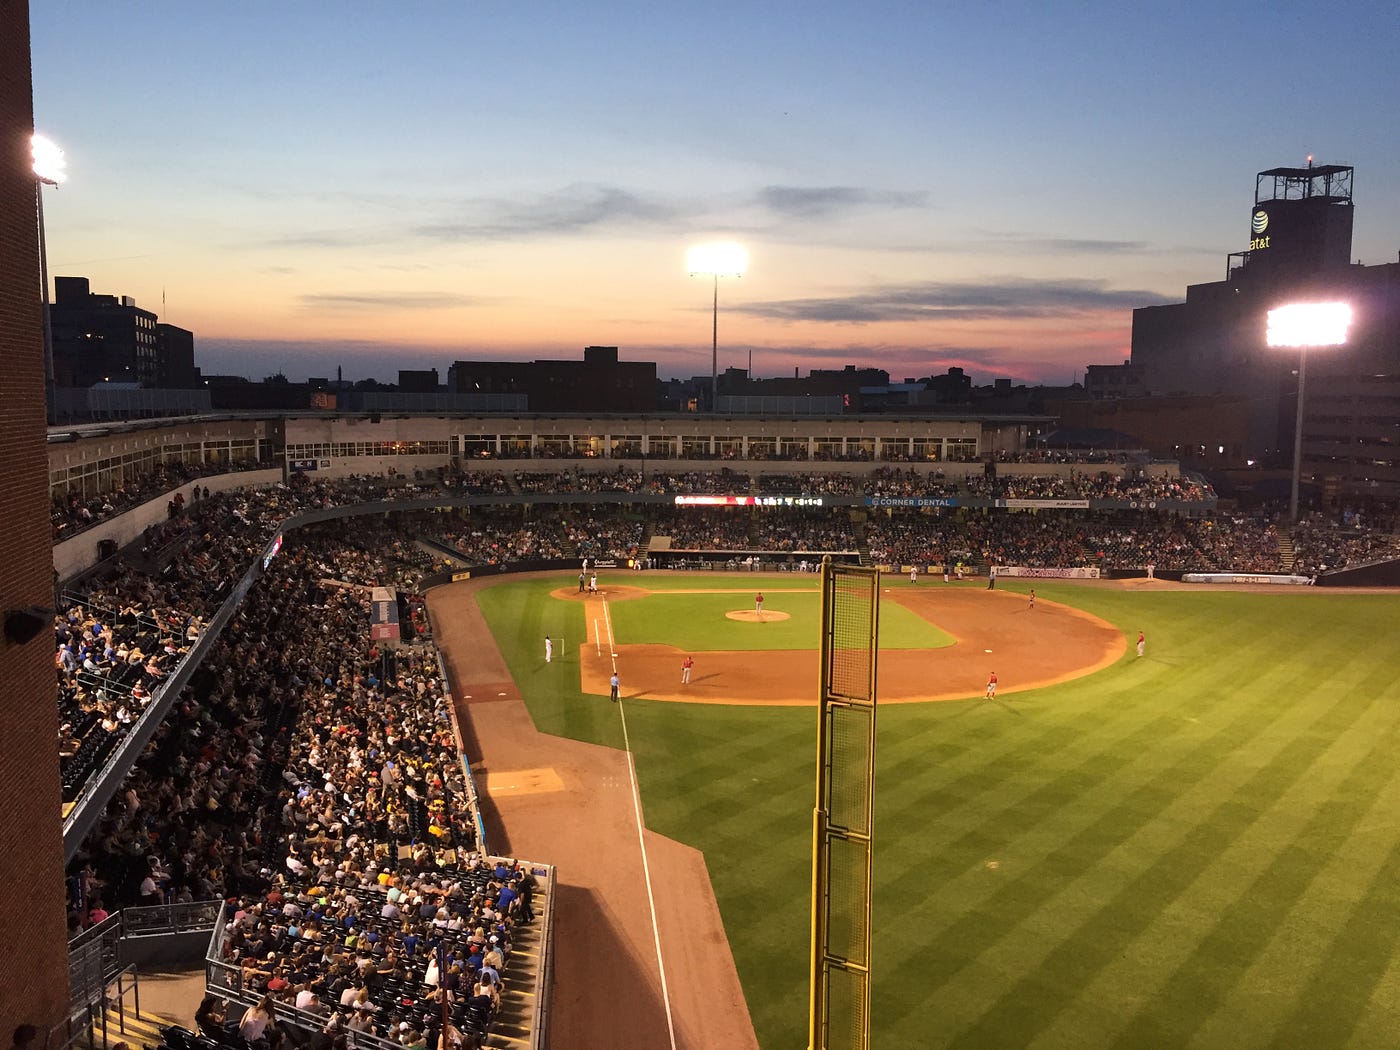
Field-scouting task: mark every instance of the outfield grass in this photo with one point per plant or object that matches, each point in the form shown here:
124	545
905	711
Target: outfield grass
697	622
1198	848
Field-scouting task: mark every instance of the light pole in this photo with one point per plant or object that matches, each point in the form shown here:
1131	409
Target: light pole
716	260
50	169
1303	326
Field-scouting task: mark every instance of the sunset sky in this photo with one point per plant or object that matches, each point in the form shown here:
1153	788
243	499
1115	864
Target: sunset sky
385	186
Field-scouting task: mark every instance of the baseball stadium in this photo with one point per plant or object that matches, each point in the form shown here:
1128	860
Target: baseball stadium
385	726
322	691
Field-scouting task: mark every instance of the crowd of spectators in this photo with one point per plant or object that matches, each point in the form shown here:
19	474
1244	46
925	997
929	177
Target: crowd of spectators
891	482
1098	485
704	528
1067	455
497	536
811	484
110	661
802	532
1071	538
300	762
478	483
1320	545
72	513
754	529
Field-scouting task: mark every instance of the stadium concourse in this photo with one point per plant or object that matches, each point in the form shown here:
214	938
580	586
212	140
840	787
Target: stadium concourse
325	773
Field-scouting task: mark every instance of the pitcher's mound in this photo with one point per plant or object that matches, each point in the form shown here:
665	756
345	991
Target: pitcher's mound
751	616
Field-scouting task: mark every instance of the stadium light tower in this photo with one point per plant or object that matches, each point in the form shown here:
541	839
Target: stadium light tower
50	169
716	260
1303	326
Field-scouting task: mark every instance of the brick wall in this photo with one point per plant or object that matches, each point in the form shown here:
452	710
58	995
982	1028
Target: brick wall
33	964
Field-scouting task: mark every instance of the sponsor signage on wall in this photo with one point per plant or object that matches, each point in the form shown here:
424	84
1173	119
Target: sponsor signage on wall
1082	572
911	501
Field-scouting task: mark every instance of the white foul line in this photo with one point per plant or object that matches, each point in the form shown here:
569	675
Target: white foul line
641	838
612	642
646	871
597	637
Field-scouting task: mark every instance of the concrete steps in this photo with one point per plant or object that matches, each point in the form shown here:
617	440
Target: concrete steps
129	1026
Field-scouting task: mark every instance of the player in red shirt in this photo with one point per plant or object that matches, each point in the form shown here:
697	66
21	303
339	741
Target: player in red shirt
686	665
758	604
992	686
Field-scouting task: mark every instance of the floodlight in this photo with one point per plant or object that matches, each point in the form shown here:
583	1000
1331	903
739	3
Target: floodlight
725	259
50	166
1309	324
1303	326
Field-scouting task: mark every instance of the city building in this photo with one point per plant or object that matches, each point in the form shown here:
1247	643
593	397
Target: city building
1213	344
102	338
598	383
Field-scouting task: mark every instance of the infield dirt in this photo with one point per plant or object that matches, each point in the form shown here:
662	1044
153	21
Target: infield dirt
993	631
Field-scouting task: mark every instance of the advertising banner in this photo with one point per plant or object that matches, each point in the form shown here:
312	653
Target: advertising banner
1082	572
911	501
1044	504
1246	577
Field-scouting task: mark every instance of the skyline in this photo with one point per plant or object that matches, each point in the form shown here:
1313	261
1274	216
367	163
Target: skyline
337	185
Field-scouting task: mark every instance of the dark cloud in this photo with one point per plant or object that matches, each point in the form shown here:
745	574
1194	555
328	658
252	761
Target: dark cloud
809	202
387	300
1076	246
574	209
1013	298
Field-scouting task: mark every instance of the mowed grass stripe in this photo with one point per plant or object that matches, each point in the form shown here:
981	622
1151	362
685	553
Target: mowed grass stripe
1123	916
737	784
1113	827
1331	1006
1257	906
1022	795
1304	937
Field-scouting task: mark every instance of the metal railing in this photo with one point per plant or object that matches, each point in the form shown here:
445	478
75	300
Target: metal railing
105	934
165	919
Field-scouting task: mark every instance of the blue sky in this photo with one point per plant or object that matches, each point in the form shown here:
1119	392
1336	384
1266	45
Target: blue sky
918	185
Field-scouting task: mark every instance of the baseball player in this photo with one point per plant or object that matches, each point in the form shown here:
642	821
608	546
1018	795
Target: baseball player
992	686
686	665
758	604
548	649
913	574
1142	643
1032	597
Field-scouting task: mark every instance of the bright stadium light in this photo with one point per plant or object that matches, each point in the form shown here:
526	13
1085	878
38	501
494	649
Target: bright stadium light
725	259
50	164
1301	326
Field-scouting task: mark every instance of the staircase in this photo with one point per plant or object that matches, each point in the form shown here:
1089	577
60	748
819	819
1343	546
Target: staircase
513	1025
129	1026
1287	556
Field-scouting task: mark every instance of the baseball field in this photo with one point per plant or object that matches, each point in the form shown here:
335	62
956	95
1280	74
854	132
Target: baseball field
1198	847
